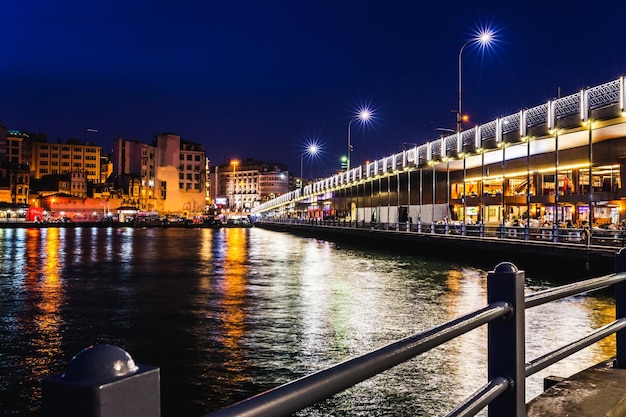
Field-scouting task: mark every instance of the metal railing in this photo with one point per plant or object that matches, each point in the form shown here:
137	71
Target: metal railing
503	394
578	235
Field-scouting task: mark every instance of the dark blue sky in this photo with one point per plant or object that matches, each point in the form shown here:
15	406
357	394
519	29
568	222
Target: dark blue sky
260	79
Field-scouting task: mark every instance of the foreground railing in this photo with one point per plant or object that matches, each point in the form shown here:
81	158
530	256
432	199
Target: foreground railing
503	394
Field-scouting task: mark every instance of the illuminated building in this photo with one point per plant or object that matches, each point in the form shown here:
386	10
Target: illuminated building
167	176
63	158
250	184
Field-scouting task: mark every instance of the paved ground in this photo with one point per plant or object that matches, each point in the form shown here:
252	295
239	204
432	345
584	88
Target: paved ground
596	392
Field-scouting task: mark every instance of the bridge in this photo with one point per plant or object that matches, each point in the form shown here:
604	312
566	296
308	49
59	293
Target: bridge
553	172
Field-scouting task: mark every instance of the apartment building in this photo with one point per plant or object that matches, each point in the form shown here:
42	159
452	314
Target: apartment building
63	158
239	186
166	176
17	167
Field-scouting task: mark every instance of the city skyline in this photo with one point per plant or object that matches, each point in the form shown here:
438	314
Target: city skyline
264	80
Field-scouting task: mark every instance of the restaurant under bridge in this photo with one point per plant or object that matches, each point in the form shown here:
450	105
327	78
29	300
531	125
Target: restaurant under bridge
556	165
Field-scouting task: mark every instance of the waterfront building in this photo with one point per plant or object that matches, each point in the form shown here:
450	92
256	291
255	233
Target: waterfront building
240	186
166	176
14	170
62	158
562	162
25	158
60	206
134	172
18	172
106	168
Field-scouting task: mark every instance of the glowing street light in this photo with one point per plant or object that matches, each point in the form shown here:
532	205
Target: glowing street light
234	163
311	150
364	115
483	38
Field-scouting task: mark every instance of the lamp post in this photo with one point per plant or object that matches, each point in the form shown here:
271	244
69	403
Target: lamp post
364	115
234	163
310	150
484	38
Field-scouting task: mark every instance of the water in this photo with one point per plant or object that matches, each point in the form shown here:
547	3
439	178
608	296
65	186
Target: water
228	313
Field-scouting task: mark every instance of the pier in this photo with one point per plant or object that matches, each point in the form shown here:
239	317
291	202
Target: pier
478	245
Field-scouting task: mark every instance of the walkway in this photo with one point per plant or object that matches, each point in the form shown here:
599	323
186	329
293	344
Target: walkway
486	248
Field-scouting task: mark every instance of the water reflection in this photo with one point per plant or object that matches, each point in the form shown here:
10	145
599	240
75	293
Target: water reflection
229	313
231	304
558	323
36	312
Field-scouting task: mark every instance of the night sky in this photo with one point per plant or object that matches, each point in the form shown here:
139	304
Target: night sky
261	79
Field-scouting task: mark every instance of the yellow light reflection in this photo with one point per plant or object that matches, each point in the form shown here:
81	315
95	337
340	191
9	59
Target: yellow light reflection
466	292
233	298
562	322
45	297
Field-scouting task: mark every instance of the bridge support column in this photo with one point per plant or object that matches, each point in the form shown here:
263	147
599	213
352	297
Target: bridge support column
506	340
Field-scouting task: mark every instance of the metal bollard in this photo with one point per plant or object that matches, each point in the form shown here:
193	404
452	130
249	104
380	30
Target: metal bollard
102	381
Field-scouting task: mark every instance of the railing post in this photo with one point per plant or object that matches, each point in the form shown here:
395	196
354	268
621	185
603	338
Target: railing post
620	311
506	340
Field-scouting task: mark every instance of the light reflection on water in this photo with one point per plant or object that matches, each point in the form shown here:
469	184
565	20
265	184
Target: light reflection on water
228	313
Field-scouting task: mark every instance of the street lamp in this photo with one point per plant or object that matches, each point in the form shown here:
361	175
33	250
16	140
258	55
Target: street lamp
234	163
483	38
310	150
364	115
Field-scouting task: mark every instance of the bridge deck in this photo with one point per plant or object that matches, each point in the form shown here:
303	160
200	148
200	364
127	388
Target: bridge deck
477	250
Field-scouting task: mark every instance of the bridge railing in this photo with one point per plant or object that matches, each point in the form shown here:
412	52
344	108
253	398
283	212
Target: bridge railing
579	235
503	394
